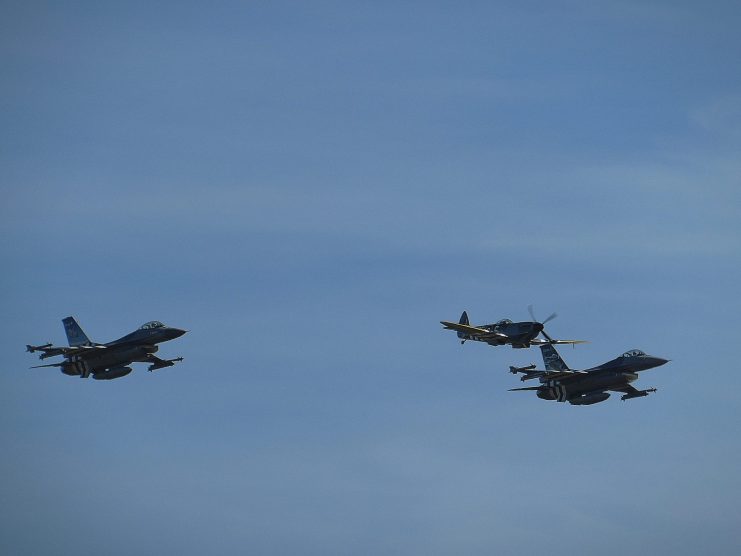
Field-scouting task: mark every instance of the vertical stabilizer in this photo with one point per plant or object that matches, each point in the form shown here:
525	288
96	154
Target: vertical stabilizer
75	335
463	320
552	360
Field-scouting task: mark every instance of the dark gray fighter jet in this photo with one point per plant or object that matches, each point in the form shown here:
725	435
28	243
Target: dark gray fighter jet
516	334
590	386
106	361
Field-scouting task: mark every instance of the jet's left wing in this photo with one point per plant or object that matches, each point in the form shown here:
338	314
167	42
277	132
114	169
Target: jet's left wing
473	330
48	350
528	373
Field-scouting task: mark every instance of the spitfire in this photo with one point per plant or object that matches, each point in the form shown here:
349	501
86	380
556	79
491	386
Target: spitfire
108	361
516	334
560	383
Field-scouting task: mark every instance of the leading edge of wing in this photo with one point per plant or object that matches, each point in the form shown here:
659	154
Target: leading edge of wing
626	389
541	342
53	351
472	330
549	375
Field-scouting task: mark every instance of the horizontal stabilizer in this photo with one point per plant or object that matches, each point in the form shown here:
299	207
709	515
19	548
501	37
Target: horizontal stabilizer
47	365
528	388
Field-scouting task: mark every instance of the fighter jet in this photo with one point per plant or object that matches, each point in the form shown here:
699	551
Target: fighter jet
590	386
517	334
107	361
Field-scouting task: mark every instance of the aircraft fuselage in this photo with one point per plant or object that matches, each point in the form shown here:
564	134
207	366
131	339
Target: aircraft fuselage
591	385
519	334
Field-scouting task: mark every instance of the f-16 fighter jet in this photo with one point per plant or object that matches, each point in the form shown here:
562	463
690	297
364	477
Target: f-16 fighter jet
516	334
590	386
107	361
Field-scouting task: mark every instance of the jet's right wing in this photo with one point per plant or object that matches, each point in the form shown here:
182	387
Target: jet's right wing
157	363
631	392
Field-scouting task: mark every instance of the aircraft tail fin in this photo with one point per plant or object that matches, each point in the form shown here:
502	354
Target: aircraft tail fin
552	360
463	320
75	335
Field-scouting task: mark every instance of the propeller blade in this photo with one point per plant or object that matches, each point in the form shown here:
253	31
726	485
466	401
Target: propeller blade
532	313
547	337
550	318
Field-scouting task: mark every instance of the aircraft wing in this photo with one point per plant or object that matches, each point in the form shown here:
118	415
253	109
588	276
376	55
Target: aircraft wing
631	392
49	350
627	389
528	373
472	330
541	342
157	363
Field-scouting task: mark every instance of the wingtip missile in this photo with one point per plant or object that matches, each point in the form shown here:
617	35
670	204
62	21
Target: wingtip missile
515	370
31	349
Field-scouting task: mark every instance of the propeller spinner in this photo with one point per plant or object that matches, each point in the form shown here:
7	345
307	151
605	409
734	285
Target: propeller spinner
541	325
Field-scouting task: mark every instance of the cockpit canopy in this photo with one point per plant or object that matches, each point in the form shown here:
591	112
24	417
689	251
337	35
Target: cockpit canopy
504	322
151	324
633	353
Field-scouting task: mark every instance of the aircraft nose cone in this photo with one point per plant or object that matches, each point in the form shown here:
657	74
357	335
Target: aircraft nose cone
177	332
661	361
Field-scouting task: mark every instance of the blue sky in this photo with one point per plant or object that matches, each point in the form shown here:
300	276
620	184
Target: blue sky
309	188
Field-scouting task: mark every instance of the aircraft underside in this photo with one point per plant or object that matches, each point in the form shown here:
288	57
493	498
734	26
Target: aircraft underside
590	389
561	394
107	366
